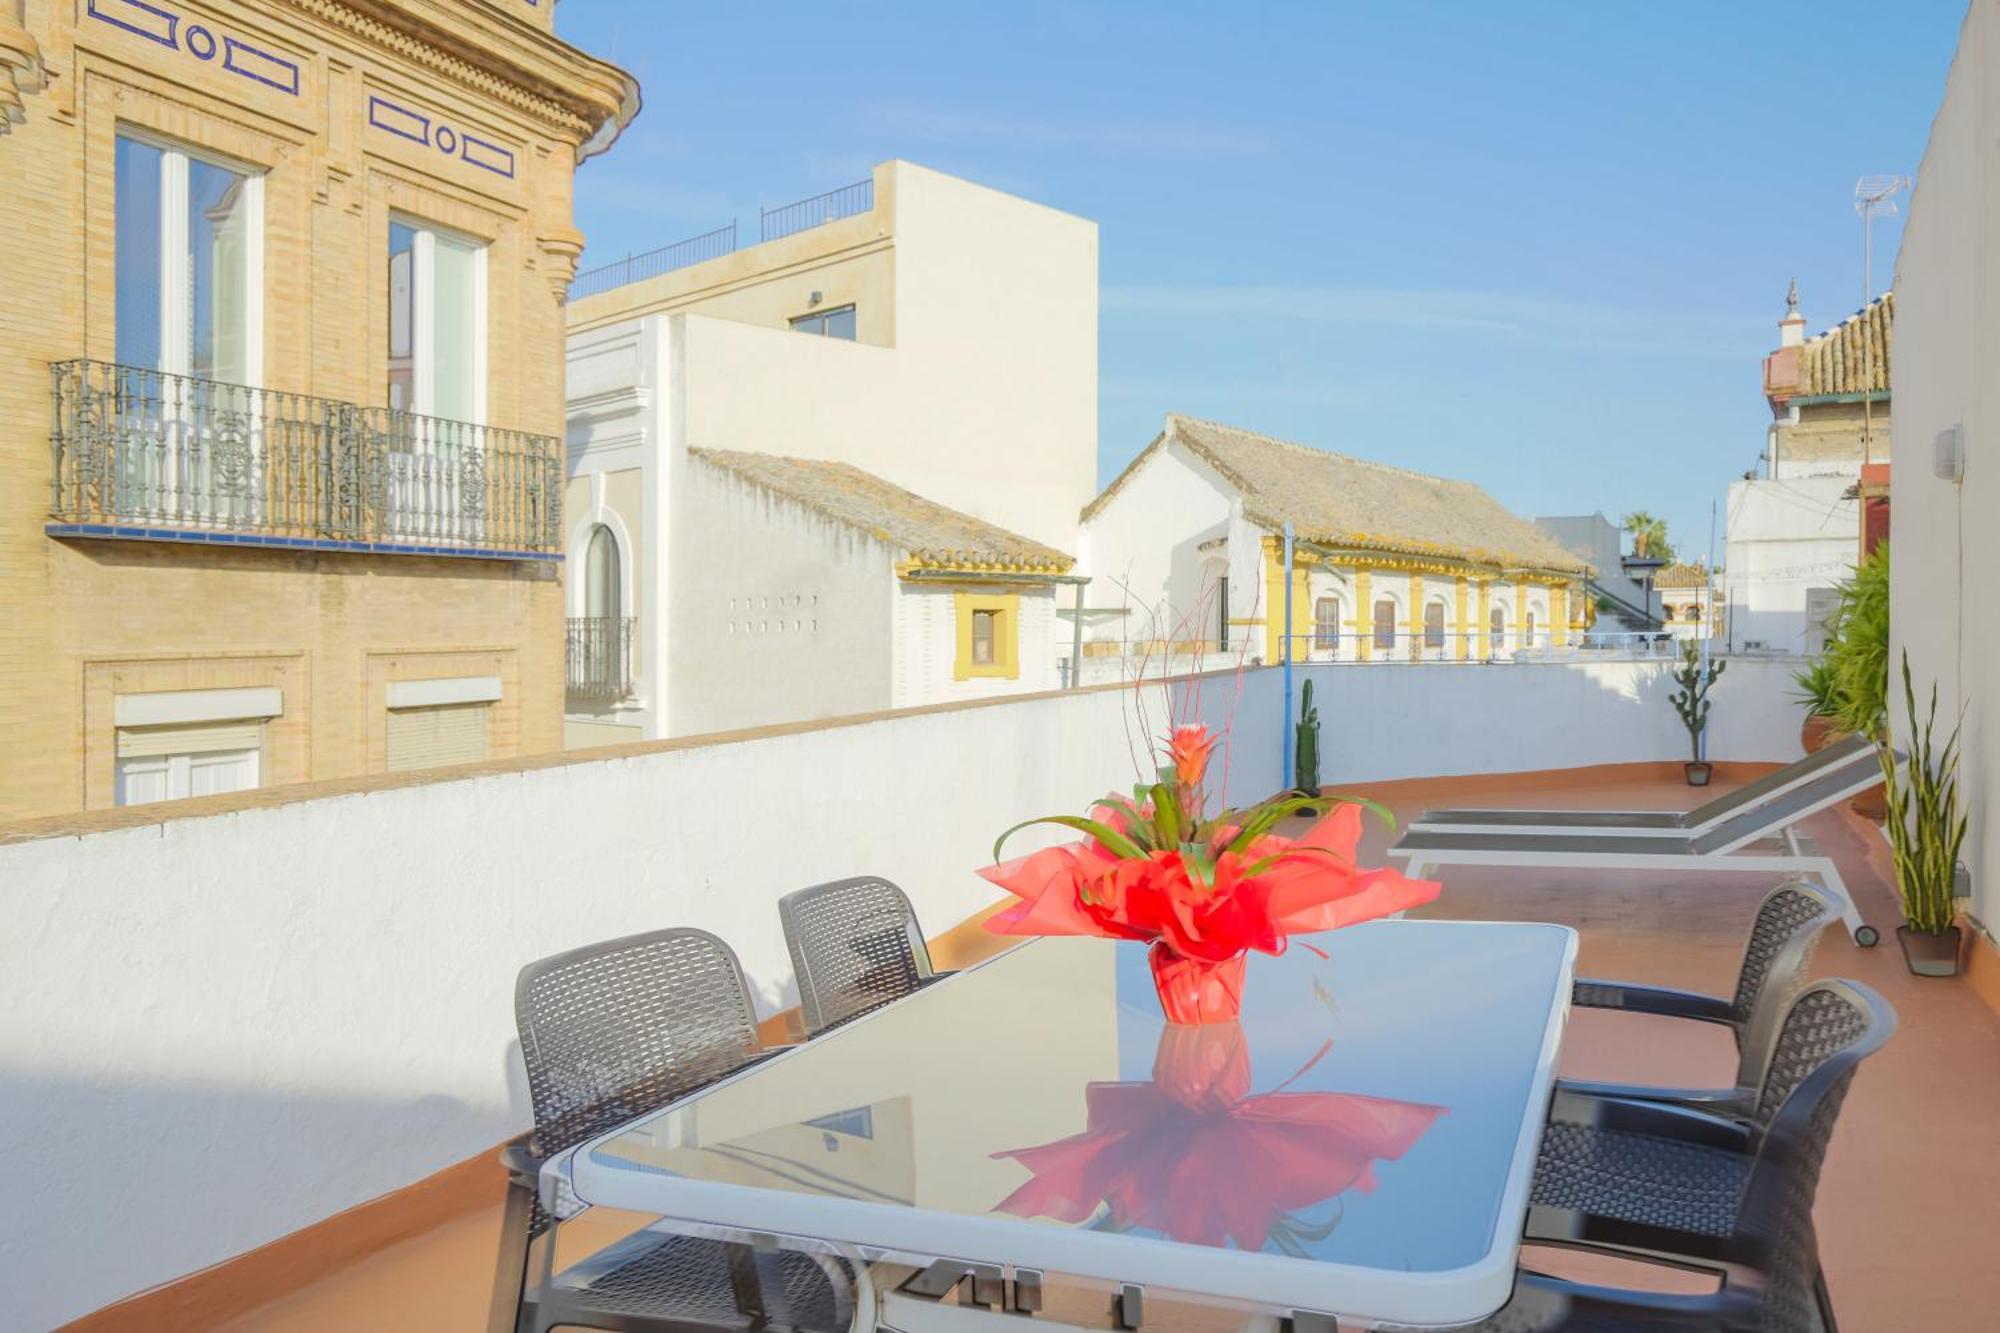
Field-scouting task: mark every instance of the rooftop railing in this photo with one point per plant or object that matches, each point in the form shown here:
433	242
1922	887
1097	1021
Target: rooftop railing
652	263
845	202
140	453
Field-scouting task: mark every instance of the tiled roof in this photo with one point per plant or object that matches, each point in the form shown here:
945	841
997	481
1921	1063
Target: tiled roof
1680	574
1333	500
1831	362
928	532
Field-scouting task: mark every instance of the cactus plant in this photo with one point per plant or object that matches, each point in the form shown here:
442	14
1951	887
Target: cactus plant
1691	700
1305	761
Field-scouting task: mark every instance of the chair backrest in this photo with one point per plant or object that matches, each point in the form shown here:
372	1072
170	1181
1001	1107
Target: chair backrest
1843	754
614	1030
1834	784
1782	942
1827	1031
855	944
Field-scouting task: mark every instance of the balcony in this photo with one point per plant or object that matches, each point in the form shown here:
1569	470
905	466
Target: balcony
600	658
143	455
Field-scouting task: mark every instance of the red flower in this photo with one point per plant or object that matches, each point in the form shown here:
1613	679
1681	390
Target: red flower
1192	1156
1190	747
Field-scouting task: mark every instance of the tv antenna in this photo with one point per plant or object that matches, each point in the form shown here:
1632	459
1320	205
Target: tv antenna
1873	196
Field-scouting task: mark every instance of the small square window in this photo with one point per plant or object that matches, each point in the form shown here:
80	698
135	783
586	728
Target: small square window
835	323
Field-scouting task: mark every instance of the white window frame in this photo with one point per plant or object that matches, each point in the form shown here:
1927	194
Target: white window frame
176	353
423	314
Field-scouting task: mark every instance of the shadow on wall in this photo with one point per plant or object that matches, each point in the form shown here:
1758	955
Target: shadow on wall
192	1207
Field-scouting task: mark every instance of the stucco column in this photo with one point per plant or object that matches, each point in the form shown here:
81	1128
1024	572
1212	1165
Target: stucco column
1521	614
1459	627
1485	626
1559	614
1364	616
1417	617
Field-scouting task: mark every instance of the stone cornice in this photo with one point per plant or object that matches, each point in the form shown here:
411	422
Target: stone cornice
495	54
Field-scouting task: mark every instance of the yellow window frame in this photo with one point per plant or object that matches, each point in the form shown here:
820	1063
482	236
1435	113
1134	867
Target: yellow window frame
1006	664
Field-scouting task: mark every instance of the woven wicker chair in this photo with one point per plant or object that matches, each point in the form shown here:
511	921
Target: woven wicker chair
1668	1185
1782	941
855	946
609	1032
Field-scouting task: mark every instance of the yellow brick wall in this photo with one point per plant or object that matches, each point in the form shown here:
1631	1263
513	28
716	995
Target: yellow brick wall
86	620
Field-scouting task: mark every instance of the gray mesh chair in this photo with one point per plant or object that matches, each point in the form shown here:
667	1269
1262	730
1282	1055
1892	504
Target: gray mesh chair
609	1032
1782	942
855	946
1666	1185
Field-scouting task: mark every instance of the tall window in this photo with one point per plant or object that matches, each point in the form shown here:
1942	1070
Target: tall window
1326	625
1528	630
1434	627
603	592
1222	614
1496	629
437	334
189	263
985	638
1385	622
835	323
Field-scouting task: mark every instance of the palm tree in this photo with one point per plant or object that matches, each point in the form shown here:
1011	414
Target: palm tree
1649	536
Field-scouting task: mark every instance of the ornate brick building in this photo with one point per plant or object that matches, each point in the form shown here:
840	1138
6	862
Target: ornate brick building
281	394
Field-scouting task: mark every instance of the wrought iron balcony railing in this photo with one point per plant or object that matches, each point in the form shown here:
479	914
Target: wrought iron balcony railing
600	658
141	453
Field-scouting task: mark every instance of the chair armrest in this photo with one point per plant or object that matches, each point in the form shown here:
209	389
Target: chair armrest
1680	1124
1669	1247
1663	1000
1715	1101
522	1162
1575	1304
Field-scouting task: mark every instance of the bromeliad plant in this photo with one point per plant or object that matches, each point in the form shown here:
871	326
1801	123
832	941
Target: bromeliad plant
1203	889
1926	828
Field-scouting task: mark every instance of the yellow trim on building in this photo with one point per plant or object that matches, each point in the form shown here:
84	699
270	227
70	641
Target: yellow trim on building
1559	614
1485	628
1459	626
1419	618
1364	614
1006	663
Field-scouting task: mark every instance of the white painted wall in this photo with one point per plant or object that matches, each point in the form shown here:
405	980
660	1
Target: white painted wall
1784	538
926	644
1947	334
223	1028
1144	556
783	617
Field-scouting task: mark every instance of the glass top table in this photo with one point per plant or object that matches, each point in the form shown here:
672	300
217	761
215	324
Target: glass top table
1360	1144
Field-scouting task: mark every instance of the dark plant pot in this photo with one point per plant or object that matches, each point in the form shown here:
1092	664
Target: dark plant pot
1930	955
1698	772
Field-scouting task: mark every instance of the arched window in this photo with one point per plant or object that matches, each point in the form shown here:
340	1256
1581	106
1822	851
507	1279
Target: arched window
1385	622
603	591
1434	627
1496	630
1326	625
1528	630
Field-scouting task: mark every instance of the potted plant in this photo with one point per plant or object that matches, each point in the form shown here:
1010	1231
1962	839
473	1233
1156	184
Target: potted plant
1305	758
1857	654
1926	832
1819	690
1695	677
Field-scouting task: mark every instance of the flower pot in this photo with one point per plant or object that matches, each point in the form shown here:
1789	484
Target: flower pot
1698	772
1194	991
1818	732
1872	805
1930	955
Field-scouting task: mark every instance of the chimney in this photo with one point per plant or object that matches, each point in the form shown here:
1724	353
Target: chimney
1792	328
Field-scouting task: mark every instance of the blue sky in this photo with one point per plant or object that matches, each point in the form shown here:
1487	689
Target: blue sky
1539	246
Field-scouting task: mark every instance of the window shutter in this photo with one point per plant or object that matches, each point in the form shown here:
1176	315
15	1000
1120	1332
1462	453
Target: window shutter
200	738
445	734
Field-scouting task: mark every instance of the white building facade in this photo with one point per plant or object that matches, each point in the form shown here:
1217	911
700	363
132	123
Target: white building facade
719	577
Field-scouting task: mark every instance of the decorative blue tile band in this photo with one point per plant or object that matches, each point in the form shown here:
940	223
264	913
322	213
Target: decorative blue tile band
164	26
401	121
199	537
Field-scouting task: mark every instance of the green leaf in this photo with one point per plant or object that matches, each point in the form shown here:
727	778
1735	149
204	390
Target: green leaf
1167	815
1109	838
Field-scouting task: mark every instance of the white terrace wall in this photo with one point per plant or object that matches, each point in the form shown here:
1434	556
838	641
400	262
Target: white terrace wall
220	1028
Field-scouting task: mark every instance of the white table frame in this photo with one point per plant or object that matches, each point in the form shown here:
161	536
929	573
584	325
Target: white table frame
1277	1284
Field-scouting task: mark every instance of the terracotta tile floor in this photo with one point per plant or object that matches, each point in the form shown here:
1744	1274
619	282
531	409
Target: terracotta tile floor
1909	1209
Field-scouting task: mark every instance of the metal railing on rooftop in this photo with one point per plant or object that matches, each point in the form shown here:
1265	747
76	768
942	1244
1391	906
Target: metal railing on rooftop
845	202
175	457
600	658
652	263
